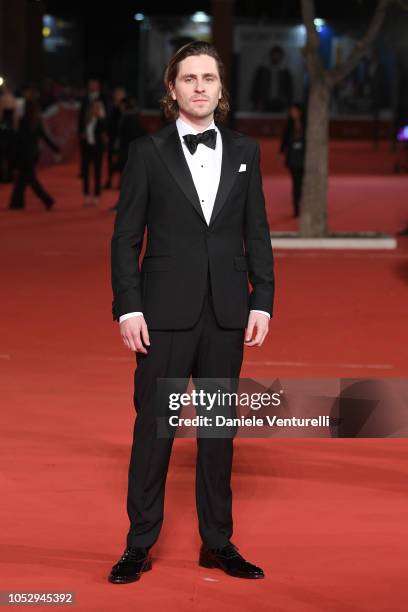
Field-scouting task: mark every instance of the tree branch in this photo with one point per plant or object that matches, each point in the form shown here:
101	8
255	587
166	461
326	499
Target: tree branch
312	49
335	75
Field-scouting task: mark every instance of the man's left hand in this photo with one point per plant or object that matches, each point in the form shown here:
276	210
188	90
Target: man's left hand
260	323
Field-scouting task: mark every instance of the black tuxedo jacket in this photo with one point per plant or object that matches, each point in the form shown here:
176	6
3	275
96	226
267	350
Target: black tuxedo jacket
157	191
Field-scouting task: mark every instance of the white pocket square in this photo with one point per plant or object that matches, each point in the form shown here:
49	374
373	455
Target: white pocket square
242	168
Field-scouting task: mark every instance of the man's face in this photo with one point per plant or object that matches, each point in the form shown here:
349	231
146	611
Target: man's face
93	86
197	87
118	94
276	57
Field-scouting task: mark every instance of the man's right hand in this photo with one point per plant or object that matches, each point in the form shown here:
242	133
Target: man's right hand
133	331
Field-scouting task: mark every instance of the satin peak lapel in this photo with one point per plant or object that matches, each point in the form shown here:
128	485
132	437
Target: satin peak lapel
169	147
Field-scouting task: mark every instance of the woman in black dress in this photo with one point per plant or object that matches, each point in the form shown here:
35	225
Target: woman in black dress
293	147
30	130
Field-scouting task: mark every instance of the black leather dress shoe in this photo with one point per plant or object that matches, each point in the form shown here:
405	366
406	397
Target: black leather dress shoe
130	566
230	561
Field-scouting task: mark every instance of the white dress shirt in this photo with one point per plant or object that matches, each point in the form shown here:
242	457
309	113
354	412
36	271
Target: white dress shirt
90	131
205	168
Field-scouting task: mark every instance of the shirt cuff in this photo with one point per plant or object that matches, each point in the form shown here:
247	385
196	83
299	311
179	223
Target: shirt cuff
263	312
138	314
129	315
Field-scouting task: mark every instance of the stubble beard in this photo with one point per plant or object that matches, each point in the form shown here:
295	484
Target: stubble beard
200	114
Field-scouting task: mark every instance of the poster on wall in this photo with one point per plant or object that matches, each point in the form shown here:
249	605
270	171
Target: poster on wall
270	67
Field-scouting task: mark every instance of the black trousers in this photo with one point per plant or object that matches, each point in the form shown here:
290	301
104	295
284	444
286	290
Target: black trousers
26	175
91	156
297	180
8	145
208	351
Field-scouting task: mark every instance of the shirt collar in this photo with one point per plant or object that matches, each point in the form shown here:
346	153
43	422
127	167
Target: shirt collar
183	128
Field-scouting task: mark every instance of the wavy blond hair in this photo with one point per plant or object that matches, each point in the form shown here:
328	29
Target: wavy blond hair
197	47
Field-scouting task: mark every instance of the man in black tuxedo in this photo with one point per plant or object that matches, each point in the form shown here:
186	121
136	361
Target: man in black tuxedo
196	186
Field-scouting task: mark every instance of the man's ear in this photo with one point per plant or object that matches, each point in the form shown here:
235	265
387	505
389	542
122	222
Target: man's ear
172	92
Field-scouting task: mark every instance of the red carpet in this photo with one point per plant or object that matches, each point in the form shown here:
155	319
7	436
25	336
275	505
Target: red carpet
326	519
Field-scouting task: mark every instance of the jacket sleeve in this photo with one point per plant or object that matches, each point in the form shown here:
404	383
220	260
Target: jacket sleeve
127	238
258	242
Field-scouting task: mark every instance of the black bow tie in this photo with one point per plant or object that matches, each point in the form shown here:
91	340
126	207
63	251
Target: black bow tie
209	138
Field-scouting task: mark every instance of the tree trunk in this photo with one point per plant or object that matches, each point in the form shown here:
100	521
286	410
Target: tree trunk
313	220
313	213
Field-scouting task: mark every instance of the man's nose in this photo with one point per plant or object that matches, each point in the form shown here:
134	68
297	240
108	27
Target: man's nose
200	85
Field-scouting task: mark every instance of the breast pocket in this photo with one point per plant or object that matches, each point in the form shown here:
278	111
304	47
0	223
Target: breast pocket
240	183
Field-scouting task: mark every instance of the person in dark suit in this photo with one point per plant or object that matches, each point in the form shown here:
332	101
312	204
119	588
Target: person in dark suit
293	146
196	186
8	134
93	93
114	118
130	127
93	146
272	85
30	131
